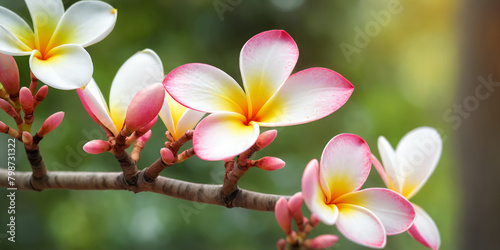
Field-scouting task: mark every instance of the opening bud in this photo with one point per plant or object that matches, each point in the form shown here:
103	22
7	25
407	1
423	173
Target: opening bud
144	107
97	147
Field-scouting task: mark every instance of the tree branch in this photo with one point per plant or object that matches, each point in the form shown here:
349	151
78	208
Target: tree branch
204	193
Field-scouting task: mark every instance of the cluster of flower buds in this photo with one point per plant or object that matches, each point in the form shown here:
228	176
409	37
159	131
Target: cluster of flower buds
15	101
285	211
141	116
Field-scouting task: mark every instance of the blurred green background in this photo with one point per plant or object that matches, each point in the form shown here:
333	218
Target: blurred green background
404	71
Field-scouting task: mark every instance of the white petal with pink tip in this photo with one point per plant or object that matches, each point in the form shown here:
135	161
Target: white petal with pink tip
361	226
92	97
345	165
314	196
424	230
394	211
306	96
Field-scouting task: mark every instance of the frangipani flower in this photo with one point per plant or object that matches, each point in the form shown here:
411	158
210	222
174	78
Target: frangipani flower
331	191
271	98
405	171
138	73
57	56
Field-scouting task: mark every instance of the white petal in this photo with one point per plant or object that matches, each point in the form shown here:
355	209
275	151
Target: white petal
205	88
417	154
394	211
306	96
314	196
345	165
361	226
46	15
177	118
223	135
139	71
388	156
424	229
92	98
19	28
11	45
64	67
266	61
188	120
85	23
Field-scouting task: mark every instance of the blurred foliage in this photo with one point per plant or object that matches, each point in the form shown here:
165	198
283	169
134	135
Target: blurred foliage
404	77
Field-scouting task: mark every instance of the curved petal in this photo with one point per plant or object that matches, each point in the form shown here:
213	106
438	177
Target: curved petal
266	61
345	165
380	169
361	226
11	45
223	135
424	230
314	196
19	28
139	71
206	88
95	105
306	96
46	16
417	154
84	23
188	120
394	211
388	156
65	67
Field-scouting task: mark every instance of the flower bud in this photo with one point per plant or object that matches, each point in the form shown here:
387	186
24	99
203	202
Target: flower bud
281	244
269	163
144	107
9	75
266	138
26	99
40	95
148	126
167	156
27	139
294	205
314	220
97	147
322	241
50	124
5	106
283	215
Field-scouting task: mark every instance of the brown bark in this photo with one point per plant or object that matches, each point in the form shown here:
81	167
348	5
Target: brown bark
478	123
204	193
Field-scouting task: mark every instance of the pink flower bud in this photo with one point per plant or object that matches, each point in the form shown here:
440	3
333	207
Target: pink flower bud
3	128
9	75
40	95
143	139
269	163
166	155
148	126
283	215
314	220
97	147
5	106
266	138
26	99
323	241
51	123
294	205
281	244
144	107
